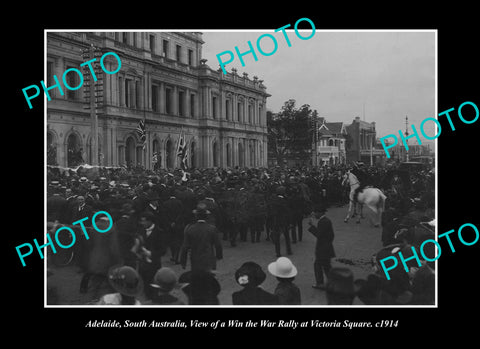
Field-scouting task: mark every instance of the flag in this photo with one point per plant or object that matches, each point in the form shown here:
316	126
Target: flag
182	151
141	132
183	164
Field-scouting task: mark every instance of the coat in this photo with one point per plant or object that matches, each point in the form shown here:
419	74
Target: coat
288	293
279	210
324	234
156	243
202	241
80	213
254	296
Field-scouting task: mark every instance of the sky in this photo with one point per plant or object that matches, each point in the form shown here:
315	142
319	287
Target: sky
380	76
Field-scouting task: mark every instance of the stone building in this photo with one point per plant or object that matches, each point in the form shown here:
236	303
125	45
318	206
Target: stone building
164	81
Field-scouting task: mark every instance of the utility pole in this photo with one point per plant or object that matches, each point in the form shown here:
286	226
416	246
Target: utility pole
406	137
93	93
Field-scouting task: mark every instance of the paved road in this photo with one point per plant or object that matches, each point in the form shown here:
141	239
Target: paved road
354	245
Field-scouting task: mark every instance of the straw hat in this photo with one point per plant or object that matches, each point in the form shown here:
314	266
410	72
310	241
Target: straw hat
282	268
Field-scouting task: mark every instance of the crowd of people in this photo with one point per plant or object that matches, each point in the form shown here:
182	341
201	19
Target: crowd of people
171	214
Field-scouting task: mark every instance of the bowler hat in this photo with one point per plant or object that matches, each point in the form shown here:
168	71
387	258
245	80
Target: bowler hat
201	209
125	280
282	268
251	274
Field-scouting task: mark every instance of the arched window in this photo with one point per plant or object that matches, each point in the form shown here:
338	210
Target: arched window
215	154
229	155
74	151
241	155
169	154
252	155
130	151
51	150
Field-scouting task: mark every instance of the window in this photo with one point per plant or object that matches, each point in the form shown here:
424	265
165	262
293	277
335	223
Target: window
214	107
120	91
72	81
125	38
190	57
250	113
155	98
165	48
178	52
192	105
138	100
227	107
181	101
134	39
127	92
168	104
152	43
238	110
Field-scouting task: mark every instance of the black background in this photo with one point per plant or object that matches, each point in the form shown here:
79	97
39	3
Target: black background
458	179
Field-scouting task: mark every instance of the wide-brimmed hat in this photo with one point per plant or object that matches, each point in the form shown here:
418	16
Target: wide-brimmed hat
282	268
125	280
201	209
250	274
165	279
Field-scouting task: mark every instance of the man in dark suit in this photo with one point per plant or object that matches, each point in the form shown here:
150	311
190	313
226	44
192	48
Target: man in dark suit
321	227
80	211
173	212
280	213
202	241
151	246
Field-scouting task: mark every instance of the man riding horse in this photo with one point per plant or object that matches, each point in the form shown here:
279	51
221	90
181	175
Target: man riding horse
363	180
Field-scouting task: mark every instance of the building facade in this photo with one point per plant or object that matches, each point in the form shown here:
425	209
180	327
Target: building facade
331	143
362	143
164	81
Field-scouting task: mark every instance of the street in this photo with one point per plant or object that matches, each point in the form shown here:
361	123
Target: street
354	245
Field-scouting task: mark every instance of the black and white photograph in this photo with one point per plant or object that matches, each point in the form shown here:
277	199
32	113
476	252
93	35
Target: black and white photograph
260	182
187	173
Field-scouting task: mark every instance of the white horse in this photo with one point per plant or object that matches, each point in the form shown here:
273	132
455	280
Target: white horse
372	197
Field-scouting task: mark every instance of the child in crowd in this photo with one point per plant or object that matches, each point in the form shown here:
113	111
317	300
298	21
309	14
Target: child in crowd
128	284
287	292
165	280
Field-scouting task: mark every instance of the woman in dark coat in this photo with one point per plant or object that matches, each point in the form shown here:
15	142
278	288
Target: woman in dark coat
250	276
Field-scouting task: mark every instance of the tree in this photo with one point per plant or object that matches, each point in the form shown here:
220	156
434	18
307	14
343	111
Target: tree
290	132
